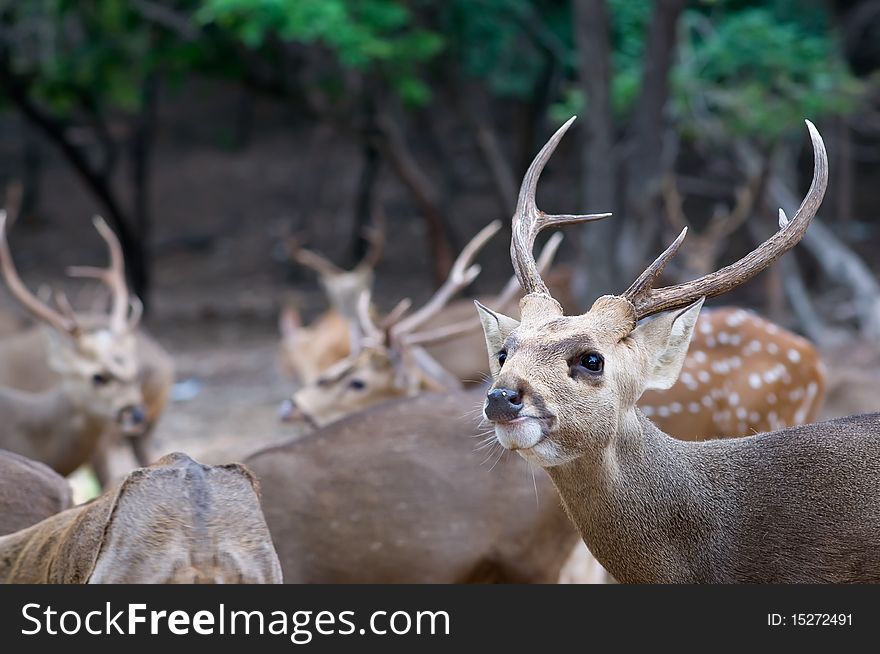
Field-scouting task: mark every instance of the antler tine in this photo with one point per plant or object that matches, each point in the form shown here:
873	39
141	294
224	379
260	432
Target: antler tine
461	275
19	290
396	314
311	259
528	220
507	295
14	196
368	327
113	276
375	236
647	301
137	312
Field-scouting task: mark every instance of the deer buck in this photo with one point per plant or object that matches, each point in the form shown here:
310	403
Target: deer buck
390	361
72	379
396	494
29	492
798	505
308	351
176	521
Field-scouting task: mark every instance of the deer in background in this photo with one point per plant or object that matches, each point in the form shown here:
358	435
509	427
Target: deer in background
798	505
29	492
394	360
176	521
73	380
308	351
397	494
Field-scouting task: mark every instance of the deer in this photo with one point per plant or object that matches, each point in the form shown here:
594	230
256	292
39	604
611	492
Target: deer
785	506
30	491
397	494
175	521
306	351
395	359
66	382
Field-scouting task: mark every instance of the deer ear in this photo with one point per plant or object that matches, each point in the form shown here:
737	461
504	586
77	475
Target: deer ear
496	327
666	339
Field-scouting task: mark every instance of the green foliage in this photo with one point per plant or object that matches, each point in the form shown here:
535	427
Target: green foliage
365	35
751	74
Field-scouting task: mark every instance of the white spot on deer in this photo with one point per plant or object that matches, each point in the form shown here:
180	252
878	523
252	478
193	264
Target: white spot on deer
688	380
741	428
705	327
724	338
772	329
720	367
647	410
710	341
733	399
754	418
754	347
772	348
703	376
736	318
663	411
676	407
694	407
773	419
755	380
735	339
794	356
707	401
700	356
769	377
796	394
735	362
742	413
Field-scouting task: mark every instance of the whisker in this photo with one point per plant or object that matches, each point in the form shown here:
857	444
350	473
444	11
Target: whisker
498	459
535	484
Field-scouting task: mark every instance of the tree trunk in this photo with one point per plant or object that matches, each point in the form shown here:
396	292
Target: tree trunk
592	33
647	132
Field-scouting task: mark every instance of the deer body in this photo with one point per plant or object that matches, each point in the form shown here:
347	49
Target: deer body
29	492
764	508
176	521
798	505
396	494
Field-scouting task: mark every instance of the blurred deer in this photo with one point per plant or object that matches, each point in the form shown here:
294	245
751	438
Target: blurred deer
397	494
176	521
29	492
308	351
394	358
72	382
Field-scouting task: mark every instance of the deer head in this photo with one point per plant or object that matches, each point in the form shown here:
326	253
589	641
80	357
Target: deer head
95	358
565	385
388	360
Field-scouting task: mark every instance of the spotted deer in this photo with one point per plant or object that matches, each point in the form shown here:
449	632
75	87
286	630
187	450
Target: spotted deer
176	521
393	360
67	383
797	505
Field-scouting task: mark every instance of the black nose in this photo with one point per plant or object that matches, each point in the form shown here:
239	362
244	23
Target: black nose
503	404
138	416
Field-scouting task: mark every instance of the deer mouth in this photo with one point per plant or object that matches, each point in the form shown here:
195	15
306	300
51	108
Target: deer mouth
290	412
523	432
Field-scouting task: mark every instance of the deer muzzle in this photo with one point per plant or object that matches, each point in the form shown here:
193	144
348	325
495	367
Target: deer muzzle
133	420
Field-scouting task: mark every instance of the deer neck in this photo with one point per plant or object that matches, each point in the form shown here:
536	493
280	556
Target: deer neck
641	504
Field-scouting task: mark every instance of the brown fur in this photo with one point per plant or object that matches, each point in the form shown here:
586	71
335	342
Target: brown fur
29	492
176	521
397	494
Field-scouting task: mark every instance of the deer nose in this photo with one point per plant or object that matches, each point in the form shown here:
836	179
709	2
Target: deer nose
503	404
133	419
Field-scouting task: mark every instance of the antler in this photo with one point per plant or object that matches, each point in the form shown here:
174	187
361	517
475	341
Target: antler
114	278
462	274
63	320
528	220
375	236
647	301
508	294
311	259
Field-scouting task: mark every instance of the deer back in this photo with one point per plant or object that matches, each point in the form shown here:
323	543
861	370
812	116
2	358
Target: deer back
176	521
29	492
397	494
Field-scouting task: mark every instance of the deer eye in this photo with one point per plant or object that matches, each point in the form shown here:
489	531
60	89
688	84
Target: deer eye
502	357
100	379
356	384
592	362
